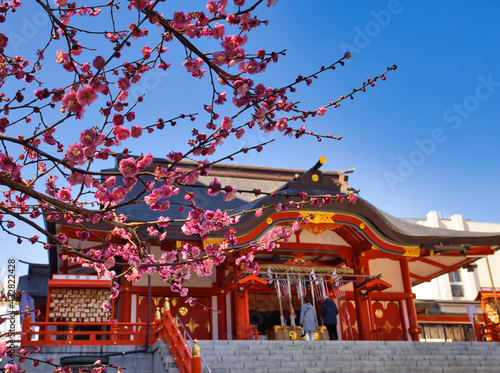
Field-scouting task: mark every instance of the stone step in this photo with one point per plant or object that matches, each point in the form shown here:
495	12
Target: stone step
349	356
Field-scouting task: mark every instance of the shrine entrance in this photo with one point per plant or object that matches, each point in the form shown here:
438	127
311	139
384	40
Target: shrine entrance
196	320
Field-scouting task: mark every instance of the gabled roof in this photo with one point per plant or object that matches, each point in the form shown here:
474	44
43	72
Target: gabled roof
439	250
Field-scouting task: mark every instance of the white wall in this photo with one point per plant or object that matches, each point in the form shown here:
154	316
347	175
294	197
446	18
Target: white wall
439	288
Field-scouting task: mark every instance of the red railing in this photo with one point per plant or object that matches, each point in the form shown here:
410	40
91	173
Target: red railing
84	333
166	329
488	332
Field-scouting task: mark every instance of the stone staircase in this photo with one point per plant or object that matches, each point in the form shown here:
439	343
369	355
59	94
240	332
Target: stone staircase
162	358
349	356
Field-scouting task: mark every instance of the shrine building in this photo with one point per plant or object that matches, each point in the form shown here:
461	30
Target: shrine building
359	256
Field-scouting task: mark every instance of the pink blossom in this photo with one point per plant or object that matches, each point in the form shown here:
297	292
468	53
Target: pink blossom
227	123
62	57
75	178
281	124
70	102
64	194
145	161
88	138
219	58
215	187
212	7
13	368
218	31
179	20
138	4
240	133
121	133
128	167
352	198
230	193
123	84
146	52
239	2
175	156
118	194
61	3
86	95
109	182
136	132
321	111
129	182
118	119
191	31
109	262
75	153
3	40
99	63
85	67
4	122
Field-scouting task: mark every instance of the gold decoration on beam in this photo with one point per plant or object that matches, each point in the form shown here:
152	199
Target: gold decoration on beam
269	220
212	241
192	325
207	325
183	311
319	217
322	222
379	313
411	251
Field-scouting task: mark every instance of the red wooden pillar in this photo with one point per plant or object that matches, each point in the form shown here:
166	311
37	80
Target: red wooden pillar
413	328
223	316
125	301
241	314
362	300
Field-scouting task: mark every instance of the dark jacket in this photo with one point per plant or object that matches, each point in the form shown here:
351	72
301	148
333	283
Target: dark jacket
329	311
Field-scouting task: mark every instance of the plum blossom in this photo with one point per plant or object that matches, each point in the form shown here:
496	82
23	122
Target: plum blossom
321	111
86	95
64	194
230	193
215	187
128	167
70	102
75	153
123	84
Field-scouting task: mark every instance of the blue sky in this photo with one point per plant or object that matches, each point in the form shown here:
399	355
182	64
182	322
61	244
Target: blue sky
425	139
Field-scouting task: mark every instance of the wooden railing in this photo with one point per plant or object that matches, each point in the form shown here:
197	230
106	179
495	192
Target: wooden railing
488	332
84	333
166	329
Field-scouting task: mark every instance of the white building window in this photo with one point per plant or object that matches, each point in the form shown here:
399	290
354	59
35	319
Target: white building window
456	284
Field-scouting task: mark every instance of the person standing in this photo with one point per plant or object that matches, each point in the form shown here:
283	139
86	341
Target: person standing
308	319
329	311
